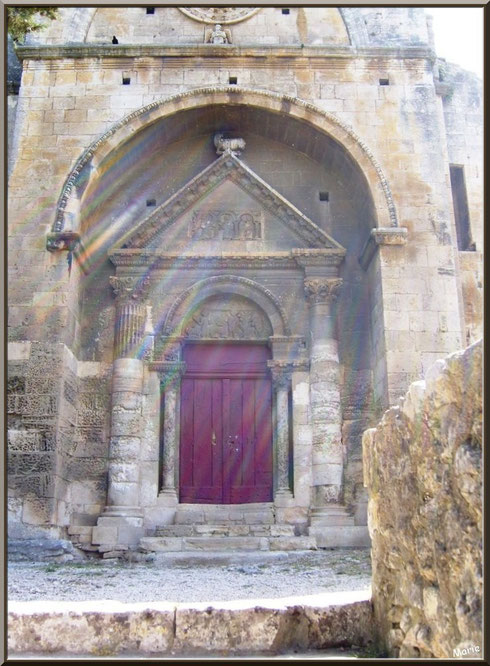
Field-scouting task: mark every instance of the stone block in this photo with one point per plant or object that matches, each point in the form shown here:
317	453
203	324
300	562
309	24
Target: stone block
104	534
343	537
161	544
292	543
224	543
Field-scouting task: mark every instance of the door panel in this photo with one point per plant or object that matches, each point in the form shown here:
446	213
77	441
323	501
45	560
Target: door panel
226	426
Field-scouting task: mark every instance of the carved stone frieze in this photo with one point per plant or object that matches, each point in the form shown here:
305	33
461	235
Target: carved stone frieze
127	288
219	14
314	257
322	290
273	260
225	225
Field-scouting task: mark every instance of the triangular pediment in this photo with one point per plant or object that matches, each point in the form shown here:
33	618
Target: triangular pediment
226	205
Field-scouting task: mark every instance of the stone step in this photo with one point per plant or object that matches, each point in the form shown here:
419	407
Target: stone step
234	514
332	519
348	536
224	530
227	543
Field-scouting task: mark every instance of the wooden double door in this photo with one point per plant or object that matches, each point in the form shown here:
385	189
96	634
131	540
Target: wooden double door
226	425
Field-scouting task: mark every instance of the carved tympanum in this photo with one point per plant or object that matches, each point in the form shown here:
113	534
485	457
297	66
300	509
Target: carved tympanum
225	225
235	320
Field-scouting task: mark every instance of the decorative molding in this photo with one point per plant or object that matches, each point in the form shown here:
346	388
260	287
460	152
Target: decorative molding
322	290
226	15
228	166
128	287
386	236
209	283
160	260
230	91
314	258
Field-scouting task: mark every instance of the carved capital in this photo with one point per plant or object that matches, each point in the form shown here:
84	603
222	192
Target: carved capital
322	290
169	373
281	372
130	288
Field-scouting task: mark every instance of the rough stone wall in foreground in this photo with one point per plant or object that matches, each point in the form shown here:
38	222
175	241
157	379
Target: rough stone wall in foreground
422	468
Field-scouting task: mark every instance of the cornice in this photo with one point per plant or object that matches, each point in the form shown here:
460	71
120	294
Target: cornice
293	259
92	50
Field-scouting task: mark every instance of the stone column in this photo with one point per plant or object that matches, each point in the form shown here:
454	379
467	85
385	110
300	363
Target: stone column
170	378
121	523
281	380
321	293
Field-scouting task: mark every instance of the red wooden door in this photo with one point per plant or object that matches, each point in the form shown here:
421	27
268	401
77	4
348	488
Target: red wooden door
226	425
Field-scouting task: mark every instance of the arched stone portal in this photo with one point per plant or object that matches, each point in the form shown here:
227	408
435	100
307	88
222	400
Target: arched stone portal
297	263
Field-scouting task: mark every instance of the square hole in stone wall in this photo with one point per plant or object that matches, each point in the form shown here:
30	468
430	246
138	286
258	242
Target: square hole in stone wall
384	82
126	80
233	80
151	202
285	10
150	10
323	196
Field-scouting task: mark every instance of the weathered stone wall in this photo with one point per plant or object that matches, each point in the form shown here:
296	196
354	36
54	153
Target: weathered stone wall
422	469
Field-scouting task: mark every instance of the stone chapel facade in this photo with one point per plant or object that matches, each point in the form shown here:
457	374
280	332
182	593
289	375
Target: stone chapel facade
236	235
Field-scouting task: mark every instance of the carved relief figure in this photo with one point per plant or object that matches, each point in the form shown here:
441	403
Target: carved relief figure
222	144
225	225
218	35
234	321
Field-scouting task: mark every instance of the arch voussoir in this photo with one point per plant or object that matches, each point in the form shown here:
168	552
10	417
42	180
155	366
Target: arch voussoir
323	121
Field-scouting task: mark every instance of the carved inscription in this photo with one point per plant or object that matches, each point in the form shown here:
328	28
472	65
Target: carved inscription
225	225
236	321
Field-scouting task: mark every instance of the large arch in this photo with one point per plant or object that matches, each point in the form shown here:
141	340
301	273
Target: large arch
85	170
228	284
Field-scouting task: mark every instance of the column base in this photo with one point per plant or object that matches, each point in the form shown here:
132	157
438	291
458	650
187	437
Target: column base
168	497
116	530
283	497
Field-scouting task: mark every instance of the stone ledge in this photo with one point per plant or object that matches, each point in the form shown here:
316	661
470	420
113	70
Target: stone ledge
93	50
382	236
242	626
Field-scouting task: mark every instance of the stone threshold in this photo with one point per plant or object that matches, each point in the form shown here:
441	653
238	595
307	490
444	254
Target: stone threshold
270	626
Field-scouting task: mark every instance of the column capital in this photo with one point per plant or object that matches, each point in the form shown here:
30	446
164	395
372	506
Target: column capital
130	288
322	289
281	372
169	373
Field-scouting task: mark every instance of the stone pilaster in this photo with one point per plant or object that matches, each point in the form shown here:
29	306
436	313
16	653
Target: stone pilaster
281	381
170	375
327	459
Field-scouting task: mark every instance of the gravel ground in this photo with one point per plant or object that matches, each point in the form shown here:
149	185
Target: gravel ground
184	578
